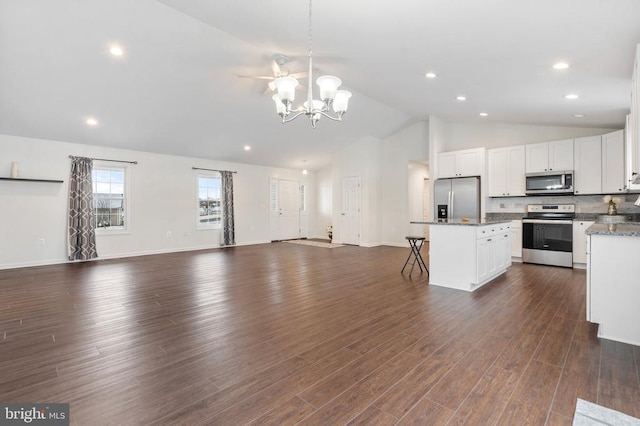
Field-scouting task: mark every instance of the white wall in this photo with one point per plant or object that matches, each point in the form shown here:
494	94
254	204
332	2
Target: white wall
398	151
361	158
162	199
323	203
459	136
418	197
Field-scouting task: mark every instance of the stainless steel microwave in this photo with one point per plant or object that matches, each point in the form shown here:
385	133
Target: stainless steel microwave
549	183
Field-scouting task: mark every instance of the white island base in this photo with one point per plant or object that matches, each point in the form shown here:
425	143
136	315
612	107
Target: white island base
613	281
465	256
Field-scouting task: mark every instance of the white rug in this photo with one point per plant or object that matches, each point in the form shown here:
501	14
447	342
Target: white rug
590	414
314	243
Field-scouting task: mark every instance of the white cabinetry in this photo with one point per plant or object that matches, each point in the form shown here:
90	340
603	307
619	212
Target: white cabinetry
468	162
516	238
587	177
612	287
465	257
613	175
633	126
549	156
580	240
493	251
506	171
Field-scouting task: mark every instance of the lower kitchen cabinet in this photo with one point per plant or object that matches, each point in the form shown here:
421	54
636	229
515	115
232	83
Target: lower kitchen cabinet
467	256
612	285
580	240
516	238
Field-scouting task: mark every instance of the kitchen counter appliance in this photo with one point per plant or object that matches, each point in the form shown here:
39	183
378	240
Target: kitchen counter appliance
547	234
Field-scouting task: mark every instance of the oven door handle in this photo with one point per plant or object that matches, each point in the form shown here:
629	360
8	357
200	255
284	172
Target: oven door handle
548	221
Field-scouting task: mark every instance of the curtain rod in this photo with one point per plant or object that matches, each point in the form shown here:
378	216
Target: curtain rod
213	170
105	159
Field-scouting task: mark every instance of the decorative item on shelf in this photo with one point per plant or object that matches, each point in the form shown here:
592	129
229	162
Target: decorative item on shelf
613	202
14	170
330	232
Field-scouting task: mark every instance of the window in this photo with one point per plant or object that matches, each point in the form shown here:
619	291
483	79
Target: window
109	197
209	202
303	198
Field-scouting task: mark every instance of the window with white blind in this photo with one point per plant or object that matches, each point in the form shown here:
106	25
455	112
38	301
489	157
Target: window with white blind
209	201
303	198
110	198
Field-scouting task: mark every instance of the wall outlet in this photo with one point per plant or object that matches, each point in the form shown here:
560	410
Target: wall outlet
42	241
169	234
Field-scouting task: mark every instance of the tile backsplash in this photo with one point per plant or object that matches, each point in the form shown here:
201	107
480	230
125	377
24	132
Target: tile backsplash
591	204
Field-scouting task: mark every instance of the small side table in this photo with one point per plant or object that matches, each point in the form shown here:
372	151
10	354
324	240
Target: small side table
414	256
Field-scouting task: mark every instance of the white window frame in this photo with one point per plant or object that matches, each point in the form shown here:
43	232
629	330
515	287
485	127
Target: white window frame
118	230
303	197
201	225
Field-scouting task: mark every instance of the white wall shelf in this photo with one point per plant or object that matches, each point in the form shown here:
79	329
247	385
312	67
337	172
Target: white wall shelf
31	180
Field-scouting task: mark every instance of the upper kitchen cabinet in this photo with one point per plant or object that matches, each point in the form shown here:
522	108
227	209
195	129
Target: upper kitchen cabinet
633	128
599	164
587	175
506	171
549	156
468	162
613	174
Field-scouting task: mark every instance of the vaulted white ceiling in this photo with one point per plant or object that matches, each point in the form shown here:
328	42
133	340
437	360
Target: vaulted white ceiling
176	89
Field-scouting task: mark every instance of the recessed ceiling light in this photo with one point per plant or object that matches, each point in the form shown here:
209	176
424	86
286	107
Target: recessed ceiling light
560	66
92	121
116	51
461	98
483	114
247	148
430	75
578	115
571	96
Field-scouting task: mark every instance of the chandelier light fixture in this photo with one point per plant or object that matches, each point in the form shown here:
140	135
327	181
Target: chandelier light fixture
330	96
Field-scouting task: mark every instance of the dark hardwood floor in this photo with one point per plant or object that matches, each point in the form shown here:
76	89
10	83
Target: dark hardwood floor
285	334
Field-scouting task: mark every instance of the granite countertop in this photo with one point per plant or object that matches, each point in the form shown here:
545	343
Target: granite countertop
628	229
470	222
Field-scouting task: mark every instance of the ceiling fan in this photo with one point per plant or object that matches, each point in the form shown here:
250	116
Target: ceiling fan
279	70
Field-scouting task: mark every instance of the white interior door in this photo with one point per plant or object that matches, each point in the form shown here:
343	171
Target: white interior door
350	225
288	209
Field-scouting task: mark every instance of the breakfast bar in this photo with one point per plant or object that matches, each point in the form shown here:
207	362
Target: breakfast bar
613	289
467	254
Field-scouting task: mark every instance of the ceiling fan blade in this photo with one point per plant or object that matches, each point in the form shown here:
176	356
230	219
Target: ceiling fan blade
258	77
299	74
277	71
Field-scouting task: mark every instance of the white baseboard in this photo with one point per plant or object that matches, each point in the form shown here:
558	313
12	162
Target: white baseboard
124	255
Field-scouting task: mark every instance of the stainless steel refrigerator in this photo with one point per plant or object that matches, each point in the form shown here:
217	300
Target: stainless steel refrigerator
457	198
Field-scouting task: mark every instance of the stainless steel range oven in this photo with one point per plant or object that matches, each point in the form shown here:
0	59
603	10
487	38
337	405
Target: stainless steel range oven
547	234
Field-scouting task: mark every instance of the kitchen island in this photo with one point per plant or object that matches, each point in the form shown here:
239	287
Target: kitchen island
465	255
613	281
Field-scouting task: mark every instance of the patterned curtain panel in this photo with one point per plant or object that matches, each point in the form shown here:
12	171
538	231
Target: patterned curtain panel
228	225
82	233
